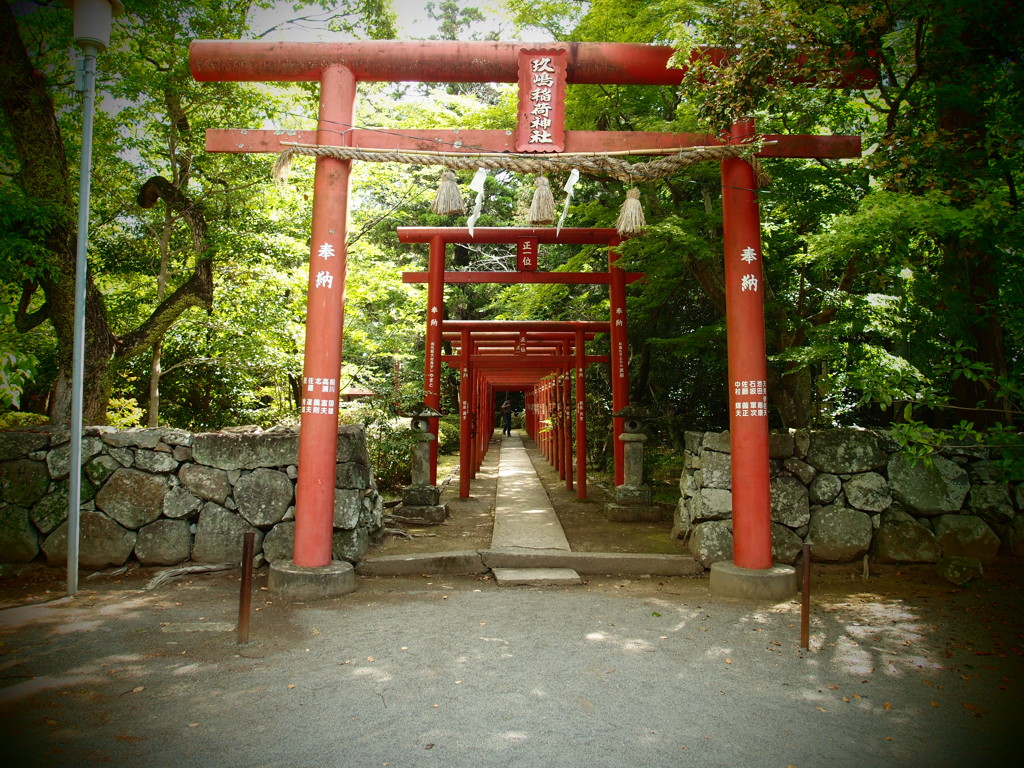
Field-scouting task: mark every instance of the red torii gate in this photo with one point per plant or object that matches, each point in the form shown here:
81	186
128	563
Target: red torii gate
338	67
436	278
521	354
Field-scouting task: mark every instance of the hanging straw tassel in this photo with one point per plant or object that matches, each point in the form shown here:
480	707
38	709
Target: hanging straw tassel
283	165
448	201
631	217
542	210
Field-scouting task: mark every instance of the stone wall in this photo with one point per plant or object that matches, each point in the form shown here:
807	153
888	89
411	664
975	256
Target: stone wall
164	496
851	492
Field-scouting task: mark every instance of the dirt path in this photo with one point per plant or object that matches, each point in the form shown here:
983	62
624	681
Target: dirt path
459	672
470	520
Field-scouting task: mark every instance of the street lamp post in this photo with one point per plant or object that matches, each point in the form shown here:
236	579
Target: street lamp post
92	35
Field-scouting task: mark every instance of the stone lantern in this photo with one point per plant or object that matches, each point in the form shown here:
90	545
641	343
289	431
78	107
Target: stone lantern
632	498
421	500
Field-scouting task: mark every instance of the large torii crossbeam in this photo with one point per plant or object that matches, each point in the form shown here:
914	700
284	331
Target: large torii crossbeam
542	71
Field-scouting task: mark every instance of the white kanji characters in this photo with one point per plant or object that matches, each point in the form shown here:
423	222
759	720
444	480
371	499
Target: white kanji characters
541	137
543	109
324	279
748	255
320	405
748	283
542	64
540	95
543	80
540	122
326	251
757	407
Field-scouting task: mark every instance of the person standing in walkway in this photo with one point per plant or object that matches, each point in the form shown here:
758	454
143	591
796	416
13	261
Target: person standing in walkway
506	417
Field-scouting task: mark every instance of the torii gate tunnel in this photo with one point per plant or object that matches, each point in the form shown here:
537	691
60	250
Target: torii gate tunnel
513	360
536	357
338	67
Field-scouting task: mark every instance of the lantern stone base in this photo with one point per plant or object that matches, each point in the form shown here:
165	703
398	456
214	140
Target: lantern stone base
632	503
300	583
633	495
431	514
776	583
421	496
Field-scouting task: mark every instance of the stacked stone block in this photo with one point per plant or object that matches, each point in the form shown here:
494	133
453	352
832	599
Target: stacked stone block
165	496
852	492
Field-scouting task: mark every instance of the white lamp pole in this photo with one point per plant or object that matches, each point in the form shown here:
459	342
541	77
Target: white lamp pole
92	34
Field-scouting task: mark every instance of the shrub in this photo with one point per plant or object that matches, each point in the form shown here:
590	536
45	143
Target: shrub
448	434
19	420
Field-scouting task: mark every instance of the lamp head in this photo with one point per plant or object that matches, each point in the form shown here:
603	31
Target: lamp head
93	19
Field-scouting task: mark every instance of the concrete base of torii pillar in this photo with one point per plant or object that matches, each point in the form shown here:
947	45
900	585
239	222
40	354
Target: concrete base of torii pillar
776	583
293	581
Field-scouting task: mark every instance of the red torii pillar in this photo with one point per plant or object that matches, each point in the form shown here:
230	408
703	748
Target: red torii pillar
748	370
322	363
751	572
465	418
620	359
581	417
568	412
432	353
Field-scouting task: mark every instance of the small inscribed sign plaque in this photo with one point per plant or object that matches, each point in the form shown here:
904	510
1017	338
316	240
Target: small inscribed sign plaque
526	254
541	101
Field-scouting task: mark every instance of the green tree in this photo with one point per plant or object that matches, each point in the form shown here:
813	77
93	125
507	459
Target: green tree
890	280
452	18
149	143
944	159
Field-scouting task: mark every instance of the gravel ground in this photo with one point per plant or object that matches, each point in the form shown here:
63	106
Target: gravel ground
903	670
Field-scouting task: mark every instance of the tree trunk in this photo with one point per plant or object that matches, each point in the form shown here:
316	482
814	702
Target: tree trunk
972	400
971	265
792	394
44	177
153	409
641	392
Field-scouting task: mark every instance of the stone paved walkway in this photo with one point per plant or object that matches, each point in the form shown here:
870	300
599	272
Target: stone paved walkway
525	521
523	515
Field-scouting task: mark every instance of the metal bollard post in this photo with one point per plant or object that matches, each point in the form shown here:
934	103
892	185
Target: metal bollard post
805	601
245	596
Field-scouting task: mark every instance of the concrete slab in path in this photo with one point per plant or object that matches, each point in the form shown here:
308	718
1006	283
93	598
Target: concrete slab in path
535	577
527	537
